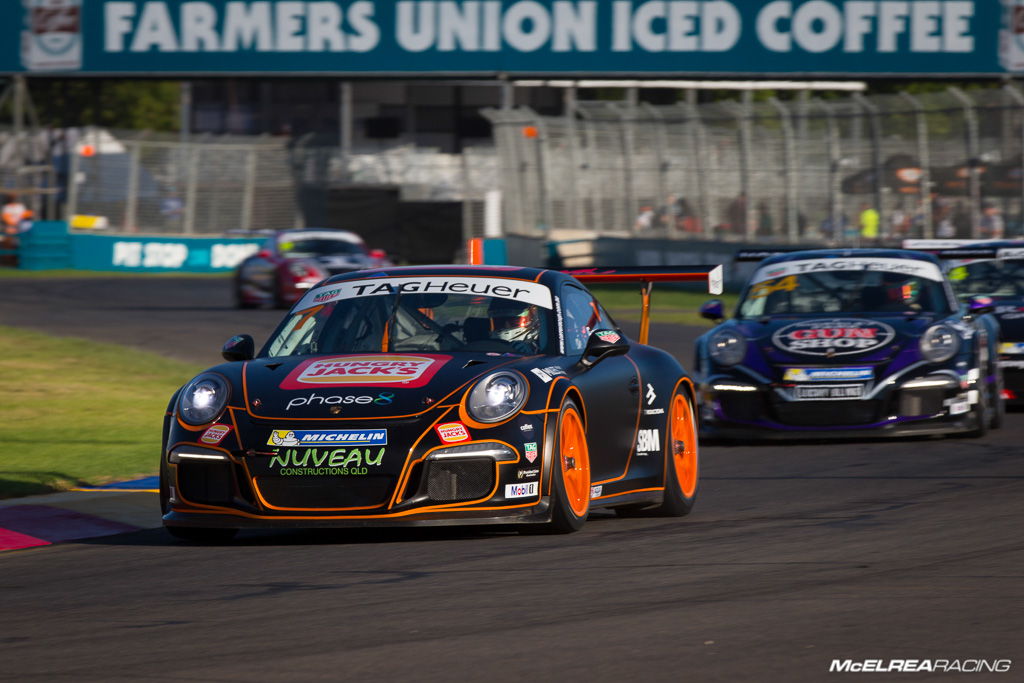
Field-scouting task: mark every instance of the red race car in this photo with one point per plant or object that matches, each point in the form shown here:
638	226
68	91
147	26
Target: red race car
292	261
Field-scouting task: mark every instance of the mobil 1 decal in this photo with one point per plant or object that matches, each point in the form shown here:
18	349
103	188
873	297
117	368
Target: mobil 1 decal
835	337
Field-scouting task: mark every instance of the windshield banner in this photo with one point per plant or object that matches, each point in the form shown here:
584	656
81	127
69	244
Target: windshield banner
903	266
502	288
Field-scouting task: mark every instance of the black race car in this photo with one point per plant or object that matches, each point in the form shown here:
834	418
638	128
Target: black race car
849	342
434	395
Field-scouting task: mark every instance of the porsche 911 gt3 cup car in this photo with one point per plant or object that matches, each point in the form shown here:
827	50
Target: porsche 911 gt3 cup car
291	261
848	342
993	268
434	395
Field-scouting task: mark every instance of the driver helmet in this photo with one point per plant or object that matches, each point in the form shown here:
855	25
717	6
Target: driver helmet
513	320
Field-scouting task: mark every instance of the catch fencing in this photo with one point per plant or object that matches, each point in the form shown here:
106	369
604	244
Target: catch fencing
151	183
943	164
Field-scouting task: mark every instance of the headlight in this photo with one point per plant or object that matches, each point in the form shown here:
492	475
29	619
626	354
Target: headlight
939	343
497	397
727	347
203	399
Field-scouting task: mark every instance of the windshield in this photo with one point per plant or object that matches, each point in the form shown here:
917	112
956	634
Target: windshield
831	286
390	315
305	248
990	278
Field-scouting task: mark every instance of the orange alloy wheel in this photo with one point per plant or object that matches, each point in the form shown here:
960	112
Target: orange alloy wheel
684	445
575	463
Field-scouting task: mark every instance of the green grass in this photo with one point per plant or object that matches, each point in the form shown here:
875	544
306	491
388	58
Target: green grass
667	305
79	412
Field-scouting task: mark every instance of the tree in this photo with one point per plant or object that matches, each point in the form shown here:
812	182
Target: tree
127	104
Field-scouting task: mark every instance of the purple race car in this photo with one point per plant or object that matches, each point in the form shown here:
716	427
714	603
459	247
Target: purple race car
849	342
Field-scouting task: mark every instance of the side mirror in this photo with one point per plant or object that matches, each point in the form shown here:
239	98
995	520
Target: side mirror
980	305
713	310
239	347
603	344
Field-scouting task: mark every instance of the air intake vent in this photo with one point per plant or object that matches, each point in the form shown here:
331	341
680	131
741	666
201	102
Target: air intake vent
460	479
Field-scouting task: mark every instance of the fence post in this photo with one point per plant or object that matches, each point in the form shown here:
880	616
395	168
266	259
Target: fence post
191	185
1017	97
131	211
789	164
74	168
698	144
925	159
627	117
744	115
569	104
249	190
973	160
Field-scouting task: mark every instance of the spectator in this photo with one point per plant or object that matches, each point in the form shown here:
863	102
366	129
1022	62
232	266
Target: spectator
961	221
869	220
737	214
764	219
16	219
992	226
644	219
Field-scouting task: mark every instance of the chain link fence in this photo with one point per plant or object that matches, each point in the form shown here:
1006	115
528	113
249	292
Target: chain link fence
944	164
151	183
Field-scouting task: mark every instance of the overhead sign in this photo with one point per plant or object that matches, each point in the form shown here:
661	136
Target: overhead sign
513	37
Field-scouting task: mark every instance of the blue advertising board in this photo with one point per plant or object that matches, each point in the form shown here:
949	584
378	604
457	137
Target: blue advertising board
50	245
513	37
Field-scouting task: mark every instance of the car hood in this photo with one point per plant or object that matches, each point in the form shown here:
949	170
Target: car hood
367	385
835	340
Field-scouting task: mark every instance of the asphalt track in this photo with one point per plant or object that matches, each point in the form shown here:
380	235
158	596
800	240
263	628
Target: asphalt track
796	555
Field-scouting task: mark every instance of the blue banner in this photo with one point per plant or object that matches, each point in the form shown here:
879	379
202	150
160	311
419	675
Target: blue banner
513	37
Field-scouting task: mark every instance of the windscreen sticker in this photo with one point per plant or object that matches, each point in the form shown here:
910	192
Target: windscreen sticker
837	337
377	370
763	289
903	266
827	374
518	290
1009	253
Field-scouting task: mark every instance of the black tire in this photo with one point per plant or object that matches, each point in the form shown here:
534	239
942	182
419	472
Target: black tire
677	501
998	403
240	302
201	534
980	416
564	519
278	300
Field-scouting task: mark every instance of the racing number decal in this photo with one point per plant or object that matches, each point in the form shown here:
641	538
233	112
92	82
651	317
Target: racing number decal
763	289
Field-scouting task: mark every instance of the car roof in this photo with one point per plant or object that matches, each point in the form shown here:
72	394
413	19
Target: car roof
849	253
547	277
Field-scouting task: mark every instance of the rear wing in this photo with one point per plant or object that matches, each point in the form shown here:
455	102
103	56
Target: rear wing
647	276
747	255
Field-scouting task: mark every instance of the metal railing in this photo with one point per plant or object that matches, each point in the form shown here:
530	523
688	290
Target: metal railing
931	165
